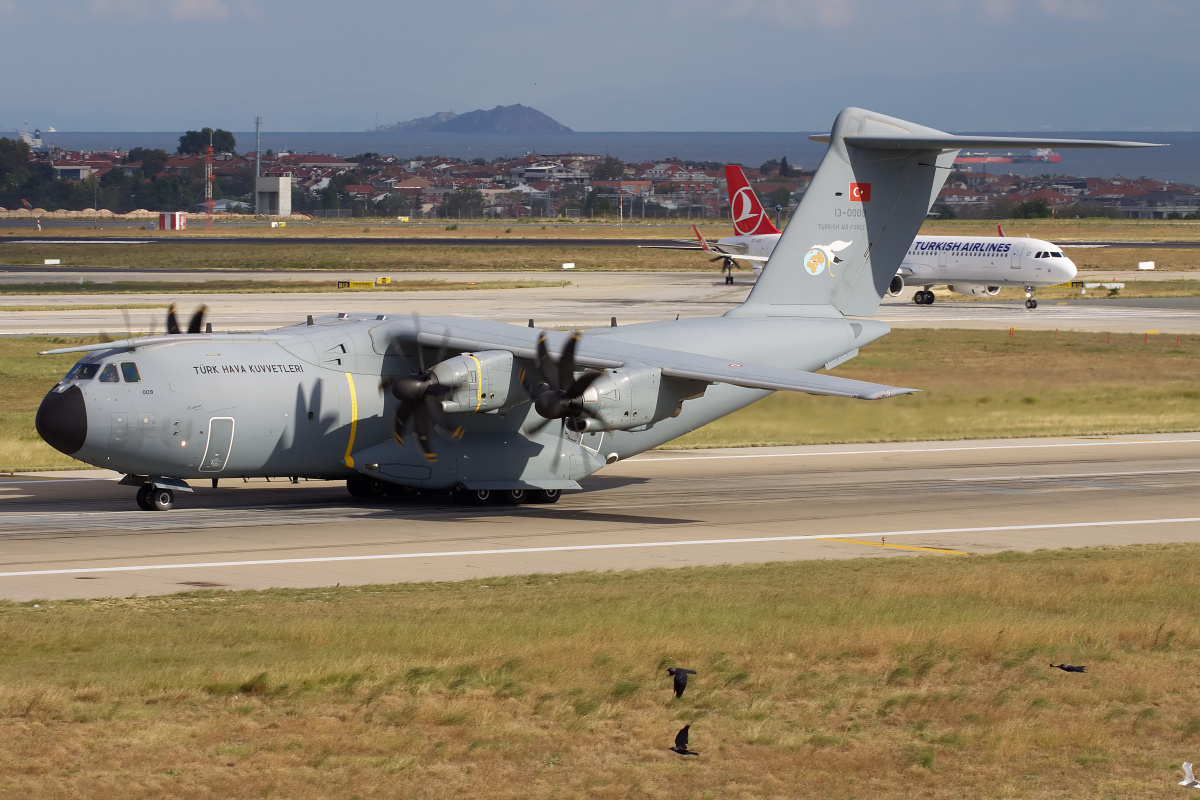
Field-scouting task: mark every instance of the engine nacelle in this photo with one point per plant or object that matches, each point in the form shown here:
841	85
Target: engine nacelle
635	397
975	290
483	381
896	286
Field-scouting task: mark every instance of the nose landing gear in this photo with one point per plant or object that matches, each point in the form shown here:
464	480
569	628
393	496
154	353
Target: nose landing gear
1029	301
151	498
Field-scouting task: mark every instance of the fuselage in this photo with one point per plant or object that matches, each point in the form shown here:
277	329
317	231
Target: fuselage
306	401
973	260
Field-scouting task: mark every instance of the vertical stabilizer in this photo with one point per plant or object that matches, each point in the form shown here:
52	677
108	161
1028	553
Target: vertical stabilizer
749	216
861	212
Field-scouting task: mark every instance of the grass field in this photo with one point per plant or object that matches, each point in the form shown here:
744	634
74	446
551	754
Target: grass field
256	287
1051	229
884	678
976	384
1133	288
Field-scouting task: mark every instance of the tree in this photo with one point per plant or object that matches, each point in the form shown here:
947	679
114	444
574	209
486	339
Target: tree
195	142
153	161
785	171
610	168
1037	208
768	167
779	197
479	162
464	202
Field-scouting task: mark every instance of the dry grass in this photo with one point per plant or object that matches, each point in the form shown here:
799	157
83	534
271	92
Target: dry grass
888	678
355	257
251	287
976	384
1133	288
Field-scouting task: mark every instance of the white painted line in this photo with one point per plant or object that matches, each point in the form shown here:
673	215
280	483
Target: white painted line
1075	475
583	547
922	450
5	482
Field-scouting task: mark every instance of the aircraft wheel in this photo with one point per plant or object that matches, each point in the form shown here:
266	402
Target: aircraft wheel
1031	303
515	497
919	296
163	499
362	486
545	495
476	497
928	298
143	497
728	280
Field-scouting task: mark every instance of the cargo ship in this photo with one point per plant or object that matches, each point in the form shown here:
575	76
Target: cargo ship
1038	156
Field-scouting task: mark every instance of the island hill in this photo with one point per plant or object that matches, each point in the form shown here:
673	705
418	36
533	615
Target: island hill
501	119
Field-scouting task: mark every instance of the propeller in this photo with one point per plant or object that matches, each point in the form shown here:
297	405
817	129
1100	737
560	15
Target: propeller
195	325
420	396
560	394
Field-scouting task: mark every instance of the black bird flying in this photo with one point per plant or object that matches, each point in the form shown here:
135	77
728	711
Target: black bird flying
681	741
680	675
1069	668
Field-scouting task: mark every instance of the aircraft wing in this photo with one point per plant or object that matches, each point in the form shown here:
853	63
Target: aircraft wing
597	352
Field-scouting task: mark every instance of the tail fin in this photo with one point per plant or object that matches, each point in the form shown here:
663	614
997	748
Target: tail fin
861	212
749	217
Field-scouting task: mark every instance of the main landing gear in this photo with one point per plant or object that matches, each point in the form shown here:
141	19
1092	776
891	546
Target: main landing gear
923	297
1029	301
151	498
373	488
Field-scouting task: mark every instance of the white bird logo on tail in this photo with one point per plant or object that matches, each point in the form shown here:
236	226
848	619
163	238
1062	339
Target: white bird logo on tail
820	256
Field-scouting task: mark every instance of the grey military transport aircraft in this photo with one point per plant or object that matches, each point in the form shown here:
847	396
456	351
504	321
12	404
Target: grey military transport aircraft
496	411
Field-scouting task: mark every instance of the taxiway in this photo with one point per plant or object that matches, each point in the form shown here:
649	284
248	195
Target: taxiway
71	535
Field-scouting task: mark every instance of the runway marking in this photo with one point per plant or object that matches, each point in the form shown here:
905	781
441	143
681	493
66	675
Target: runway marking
941	550
921	450
585	547
1075	475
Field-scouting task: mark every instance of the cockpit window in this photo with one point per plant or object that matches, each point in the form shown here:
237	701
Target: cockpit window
82	372
130	372
1056	254
1040	254
109	374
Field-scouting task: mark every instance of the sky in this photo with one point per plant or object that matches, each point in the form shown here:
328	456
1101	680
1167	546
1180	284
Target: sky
601	65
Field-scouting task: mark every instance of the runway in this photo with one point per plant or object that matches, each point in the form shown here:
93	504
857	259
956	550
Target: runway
80	535
591	299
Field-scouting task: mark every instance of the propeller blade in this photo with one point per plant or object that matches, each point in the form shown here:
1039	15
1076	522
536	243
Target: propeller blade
558	447
417	330
197	322
566	361
582	384
172	323
543	363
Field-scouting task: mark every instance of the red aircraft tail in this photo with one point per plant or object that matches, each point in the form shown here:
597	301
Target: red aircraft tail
749	217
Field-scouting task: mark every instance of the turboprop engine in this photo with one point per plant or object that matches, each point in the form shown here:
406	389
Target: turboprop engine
633	397
481	382
975	290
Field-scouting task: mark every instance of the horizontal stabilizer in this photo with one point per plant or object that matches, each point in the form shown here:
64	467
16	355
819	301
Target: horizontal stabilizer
949	141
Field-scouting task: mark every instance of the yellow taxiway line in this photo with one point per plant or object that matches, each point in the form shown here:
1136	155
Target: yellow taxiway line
941	550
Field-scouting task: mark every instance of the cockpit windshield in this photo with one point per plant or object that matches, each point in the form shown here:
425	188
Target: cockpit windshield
81	372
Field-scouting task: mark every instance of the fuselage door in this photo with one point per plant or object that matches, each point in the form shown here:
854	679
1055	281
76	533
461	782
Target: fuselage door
220	442
943	258
1015	255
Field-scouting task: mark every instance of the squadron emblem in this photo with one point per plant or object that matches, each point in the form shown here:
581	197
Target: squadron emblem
821	256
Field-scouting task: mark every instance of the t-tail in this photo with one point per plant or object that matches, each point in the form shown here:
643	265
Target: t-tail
864	207
749	216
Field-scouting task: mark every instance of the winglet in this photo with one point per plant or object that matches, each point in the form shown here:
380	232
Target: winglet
703	244
1000	229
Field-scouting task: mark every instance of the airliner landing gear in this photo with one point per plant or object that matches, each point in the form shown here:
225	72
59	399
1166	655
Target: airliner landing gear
727	268
1029	301
923	297
150	498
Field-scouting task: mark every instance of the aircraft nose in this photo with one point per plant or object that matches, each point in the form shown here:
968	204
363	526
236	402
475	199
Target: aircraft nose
62	420
1069	270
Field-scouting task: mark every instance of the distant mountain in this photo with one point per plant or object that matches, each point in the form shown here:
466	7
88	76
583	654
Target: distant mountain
501	119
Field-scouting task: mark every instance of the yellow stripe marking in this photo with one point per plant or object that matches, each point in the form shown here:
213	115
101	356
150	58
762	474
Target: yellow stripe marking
941	550
349	460
479	381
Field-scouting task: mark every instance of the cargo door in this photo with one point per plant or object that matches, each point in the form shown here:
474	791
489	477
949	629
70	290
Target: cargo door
220	442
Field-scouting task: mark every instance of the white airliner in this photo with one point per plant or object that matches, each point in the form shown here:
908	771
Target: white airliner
975	266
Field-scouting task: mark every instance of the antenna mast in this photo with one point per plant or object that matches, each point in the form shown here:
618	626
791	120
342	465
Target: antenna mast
257	158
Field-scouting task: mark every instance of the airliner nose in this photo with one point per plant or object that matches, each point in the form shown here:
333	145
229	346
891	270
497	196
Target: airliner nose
62	420
1069	270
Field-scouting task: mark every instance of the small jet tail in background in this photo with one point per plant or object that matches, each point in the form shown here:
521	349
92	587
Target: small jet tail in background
861	213
1000	229
749	216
